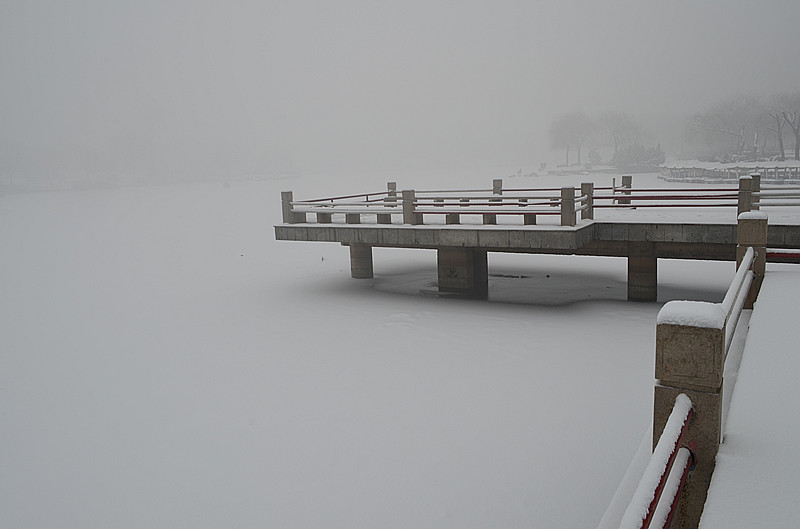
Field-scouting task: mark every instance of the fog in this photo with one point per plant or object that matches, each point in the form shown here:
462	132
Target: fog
150	90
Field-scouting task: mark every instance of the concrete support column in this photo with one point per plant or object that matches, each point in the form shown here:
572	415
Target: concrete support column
463	271
642	272
752	230
691	360
360	261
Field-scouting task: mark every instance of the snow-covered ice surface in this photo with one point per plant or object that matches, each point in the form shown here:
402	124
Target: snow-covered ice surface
166	363
756	475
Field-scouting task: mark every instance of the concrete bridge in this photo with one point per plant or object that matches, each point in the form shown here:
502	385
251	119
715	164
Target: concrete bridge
462	248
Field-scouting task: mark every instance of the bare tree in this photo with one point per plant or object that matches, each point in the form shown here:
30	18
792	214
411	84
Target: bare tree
571	129
780	121
735	119
620	129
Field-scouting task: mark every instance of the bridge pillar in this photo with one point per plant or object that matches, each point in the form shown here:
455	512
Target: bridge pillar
463	271
360	261
690	359
642	272
752	231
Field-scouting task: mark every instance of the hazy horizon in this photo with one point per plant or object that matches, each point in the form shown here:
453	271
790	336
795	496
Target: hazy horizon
177	88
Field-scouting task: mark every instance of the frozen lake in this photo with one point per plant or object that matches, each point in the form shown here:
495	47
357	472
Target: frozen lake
166	363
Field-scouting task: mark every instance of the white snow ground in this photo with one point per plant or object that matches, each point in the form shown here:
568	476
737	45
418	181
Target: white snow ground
755	479
166	363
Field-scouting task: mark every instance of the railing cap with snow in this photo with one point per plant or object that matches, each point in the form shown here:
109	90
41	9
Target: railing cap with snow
692	314
752	215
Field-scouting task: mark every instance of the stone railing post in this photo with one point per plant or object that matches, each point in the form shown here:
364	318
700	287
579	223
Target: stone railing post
497	189
497	186
389	201
745	195
587	189
690	359
752	230
567	206
627	184
289	216
409	216
754	189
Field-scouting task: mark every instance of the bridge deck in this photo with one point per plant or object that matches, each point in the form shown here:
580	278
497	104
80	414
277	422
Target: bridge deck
755	480
691	240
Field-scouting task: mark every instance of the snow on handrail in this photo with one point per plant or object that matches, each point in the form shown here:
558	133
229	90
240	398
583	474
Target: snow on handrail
736	285
666	508
643	506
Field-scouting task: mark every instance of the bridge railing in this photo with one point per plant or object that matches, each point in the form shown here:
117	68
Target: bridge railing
692	344
753	196
414	206
779	175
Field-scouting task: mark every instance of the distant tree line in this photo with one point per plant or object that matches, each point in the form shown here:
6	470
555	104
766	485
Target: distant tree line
616	130
747	128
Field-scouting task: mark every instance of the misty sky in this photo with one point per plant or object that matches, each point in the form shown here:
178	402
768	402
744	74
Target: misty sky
176	88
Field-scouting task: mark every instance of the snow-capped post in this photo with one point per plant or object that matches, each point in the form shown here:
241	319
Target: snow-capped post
745	194
587	190
389	201
289	216
497	186
409	200
497	189
567	206
627	184
751	231
690	359
755	189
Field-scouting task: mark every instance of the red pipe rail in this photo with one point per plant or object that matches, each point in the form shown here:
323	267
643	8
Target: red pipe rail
646	506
